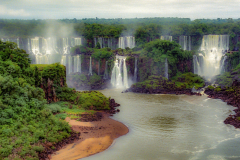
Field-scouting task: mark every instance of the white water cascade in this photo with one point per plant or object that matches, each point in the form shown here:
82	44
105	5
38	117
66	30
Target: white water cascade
49	45
127	41
65	46
35	48
196	65
77	63
69	64
135	71
105	42
222	69
64	60
169	38
76	41
185	42
35	45
213	48
106	71
166	69
90	67
125	78
119	77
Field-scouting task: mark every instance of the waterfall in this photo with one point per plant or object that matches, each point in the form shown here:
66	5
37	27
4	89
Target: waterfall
64	60
135	71
65	46
18	42
196	66
90	67
185	42
222	68
29	45
49	45
77	63
35	45
213	47
127	41
166	69
169	38
80	64
106	71
77	41
41	59
121	43
125	78
69	64
119	77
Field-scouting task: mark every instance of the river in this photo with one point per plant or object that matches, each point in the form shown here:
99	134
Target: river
172	127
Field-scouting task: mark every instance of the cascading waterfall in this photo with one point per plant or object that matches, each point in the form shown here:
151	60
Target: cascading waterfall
18	42
127	41
90	67
196	65
169	38
213	48
121	43
76	41
64	60
125	78
166	69
135	71
106	71
40	58
222	69
189	43
35	45
65	45
119	77
185	42
29	45
77	63
69	64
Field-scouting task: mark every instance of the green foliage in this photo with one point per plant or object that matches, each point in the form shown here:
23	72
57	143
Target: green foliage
225	79
217	89
189	80
154	54
95	79
210	87
61	116
25	119
182	82
54	108
54	72
94	99
104	53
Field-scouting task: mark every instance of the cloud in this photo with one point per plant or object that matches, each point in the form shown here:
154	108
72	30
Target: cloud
58	9
11	12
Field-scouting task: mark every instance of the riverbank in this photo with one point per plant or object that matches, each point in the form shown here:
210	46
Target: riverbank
95	137
231	97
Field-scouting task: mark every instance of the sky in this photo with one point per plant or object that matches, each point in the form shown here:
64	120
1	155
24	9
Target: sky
61	9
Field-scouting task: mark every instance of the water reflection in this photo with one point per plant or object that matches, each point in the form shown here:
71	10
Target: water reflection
163	123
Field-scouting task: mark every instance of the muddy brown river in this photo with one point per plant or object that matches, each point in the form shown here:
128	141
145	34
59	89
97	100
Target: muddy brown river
172	127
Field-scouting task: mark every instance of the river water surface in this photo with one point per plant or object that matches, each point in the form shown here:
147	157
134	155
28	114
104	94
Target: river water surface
171	127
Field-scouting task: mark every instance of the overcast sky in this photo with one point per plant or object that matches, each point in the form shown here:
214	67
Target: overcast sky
59	9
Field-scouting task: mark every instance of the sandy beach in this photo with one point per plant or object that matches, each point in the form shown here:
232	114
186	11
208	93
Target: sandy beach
95	137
